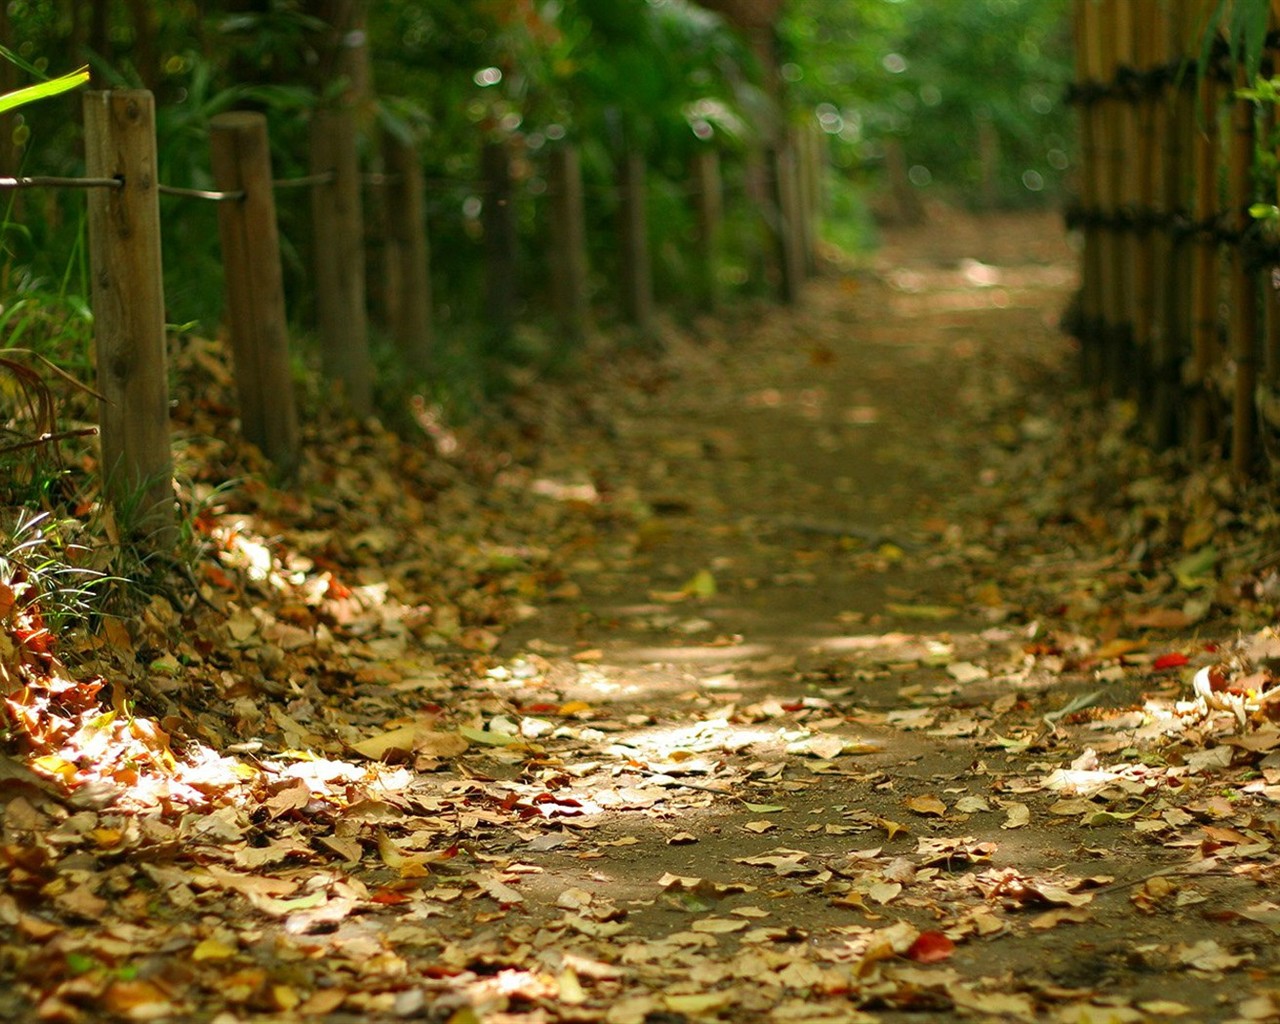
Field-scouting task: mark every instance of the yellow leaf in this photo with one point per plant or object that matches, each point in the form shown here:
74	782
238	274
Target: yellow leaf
701	1002
928	805
285	997
718	925
891	827
930	612
701	585
571	991
212	949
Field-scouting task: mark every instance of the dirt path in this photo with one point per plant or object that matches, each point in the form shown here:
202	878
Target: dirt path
798	675
807	579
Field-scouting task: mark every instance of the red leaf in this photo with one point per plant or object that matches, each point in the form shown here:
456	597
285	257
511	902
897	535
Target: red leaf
930	948
1171	660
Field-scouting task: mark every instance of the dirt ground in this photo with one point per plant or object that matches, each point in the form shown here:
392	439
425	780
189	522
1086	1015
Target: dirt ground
852	685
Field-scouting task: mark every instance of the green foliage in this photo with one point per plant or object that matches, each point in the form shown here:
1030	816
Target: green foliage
1243	24
931	74
43	562
41	90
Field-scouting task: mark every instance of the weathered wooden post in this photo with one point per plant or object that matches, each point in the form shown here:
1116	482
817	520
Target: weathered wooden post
637	273
127	289
501	240
789	241
812	168
409	253
338	238
256	322
568	242
708	194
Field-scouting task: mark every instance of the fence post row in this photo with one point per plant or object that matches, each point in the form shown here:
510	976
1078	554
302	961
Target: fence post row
256	321
128	294
128	312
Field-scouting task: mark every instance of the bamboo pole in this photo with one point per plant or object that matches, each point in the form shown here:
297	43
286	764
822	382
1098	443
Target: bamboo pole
128	313
1091	312
1146	32
1271	282
1244	297
1204	276
1110	162
1175	113
256	322
1125	371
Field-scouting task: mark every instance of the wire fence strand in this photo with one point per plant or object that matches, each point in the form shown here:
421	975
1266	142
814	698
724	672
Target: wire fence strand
54	181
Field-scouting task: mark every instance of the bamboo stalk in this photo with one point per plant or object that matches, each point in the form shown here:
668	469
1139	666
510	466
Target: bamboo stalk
1091	310
1204	275
1270	295
1145	31
1244	304
1124	185
1102	66
1164	198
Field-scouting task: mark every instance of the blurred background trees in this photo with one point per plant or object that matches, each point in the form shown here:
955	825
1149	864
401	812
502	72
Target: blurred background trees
915	99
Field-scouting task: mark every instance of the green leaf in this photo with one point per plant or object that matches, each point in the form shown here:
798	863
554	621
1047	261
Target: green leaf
487	739
43	90
763	808
1195	569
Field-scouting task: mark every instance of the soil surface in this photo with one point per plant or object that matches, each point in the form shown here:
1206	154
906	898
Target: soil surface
844	687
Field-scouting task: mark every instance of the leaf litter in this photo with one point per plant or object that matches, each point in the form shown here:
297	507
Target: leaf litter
580	716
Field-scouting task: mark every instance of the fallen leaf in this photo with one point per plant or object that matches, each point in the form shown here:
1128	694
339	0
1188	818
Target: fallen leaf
928	805
930	948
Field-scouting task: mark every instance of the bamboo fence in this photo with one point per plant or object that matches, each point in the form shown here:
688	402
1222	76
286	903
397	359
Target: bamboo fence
1179	307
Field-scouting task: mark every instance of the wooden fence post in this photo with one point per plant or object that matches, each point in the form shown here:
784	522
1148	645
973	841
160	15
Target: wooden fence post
708	194
128	312
338	238
409	254
789	241
568	243
501	240
637	273
813	180
241	160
